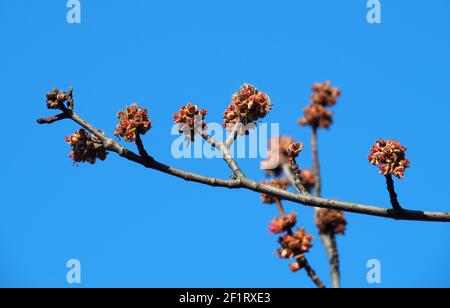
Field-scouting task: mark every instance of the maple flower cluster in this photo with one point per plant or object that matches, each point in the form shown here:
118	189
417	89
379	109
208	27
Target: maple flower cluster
317	114
132	122
389	157
85	147
308	179
331	221
277	183
247	106
277	154
293	244
56	98
285	223
189	119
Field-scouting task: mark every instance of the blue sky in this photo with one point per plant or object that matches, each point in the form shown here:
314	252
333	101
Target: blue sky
132	227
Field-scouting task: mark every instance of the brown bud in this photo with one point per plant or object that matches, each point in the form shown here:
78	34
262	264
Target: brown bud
295	148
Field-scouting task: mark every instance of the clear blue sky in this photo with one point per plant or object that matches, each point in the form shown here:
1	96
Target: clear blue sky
133	227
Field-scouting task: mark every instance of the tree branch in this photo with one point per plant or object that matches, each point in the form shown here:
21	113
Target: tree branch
113	146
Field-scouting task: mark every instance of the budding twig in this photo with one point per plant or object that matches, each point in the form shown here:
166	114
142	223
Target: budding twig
328	239
244	182
247	106
301	260
294	174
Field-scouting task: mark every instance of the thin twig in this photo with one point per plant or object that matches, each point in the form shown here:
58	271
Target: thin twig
316	164
225	153
141	148
70	103
329	242
233	134
295	173
310	271
53	119
392	194
328	239
280	207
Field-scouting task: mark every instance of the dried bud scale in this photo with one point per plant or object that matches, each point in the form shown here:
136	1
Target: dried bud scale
295	266
56	99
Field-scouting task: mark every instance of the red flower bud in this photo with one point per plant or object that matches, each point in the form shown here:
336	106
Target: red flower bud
132	122
85	148
389	157
247	106
190	119
317	114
